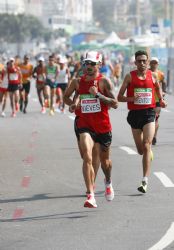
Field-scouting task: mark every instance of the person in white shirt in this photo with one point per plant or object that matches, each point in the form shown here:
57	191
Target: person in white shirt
62	80
3	89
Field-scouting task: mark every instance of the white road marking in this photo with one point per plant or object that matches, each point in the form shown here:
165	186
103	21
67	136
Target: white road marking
166	240
34	99
166	110
164	179
71	117
128	150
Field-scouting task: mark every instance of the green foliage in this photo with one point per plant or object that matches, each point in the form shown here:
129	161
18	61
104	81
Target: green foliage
18	28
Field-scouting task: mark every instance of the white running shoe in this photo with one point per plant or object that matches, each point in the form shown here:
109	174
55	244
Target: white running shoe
43	110
13	114
52	112
3	114
90	201
109	192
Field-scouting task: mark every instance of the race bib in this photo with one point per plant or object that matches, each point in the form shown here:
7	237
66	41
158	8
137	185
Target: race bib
90	104
145	96
5	83
51	76
13	76
40	78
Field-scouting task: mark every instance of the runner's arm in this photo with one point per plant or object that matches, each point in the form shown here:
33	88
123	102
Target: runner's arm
110	99
159	93
121	94
20	75
73	86
34	74
164	85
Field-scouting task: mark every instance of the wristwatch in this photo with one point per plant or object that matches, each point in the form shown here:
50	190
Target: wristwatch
98	95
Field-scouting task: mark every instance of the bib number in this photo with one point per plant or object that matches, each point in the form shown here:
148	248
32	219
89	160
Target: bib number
13	76
145	96
90	104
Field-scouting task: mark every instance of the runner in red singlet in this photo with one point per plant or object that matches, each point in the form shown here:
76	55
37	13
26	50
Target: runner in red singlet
93	124
141	85
39	73
15	82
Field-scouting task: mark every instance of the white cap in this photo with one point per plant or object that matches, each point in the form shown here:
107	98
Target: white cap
63	60
12	59
93	56
154	59
41	59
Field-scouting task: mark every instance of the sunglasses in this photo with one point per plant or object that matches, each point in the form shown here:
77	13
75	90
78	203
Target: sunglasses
141	61
90	63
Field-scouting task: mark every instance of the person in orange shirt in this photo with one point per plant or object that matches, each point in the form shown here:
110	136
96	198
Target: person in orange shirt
154	63
26	70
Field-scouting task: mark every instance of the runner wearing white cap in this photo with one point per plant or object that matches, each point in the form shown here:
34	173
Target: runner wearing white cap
62	81
93	124
39	74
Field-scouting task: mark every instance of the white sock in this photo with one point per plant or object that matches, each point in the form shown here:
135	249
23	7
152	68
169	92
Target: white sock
145	178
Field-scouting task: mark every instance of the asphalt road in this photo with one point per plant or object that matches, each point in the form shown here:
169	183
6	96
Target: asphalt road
42	190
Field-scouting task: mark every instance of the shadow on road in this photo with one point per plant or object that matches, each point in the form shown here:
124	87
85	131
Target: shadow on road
40	197
69	215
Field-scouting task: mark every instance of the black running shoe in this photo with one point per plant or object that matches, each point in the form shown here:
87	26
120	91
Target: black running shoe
154	141
143	187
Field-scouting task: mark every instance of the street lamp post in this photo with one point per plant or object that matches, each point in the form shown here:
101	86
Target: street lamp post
170	75
6	6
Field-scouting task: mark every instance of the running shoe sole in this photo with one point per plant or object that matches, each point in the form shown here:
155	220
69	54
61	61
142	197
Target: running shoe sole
90	205
142	189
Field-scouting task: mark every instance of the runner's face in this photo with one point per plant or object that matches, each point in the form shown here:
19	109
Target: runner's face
91	67
153	65
141	62
51	60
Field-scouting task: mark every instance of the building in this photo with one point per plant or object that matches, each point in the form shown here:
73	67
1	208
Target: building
70	15
12	7
33	7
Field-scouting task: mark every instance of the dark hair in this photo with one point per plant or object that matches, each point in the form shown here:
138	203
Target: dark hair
140	53
26	56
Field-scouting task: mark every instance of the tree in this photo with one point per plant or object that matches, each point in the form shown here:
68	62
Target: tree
18	28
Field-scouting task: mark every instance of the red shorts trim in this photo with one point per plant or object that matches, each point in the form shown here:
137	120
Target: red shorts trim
3	90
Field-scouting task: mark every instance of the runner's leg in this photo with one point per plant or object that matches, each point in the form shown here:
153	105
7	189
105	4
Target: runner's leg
86	145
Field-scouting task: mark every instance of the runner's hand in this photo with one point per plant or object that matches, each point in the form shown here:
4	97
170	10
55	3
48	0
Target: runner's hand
72	108
93	90
163	104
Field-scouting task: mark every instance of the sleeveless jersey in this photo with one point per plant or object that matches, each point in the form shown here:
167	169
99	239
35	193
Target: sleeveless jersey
62	76
94	113
51	73
26	70
13	75
146	90
40	71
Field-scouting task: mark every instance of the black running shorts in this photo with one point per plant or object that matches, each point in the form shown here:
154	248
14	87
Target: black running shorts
104	139
138	118
13	87
26	87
